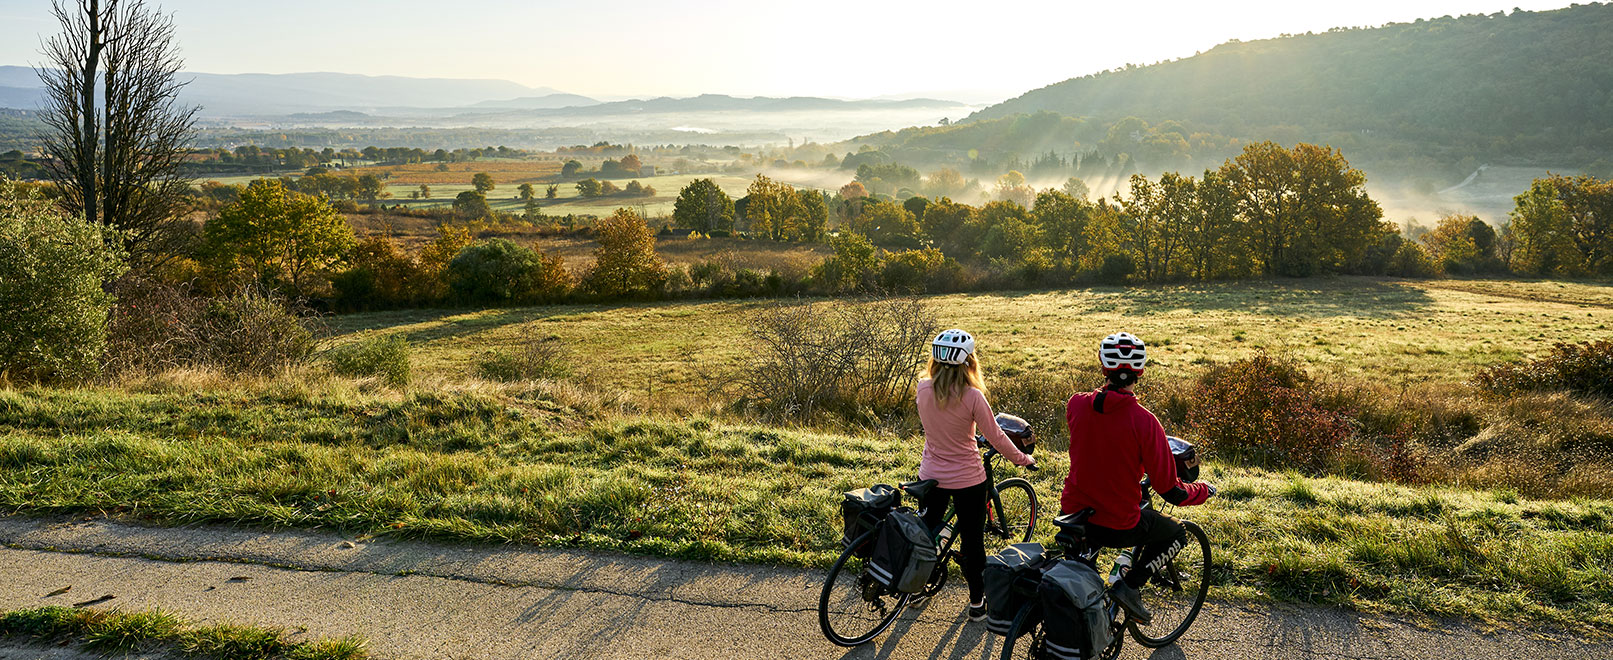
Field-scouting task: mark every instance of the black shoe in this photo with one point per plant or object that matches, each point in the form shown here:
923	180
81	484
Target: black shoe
977	612
1132	601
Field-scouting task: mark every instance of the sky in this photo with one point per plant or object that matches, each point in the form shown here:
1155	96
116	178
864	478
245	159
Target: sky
972	51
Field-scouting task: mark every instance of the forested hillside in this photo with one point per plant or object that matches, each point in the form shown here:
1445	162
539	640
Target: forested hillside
1519	87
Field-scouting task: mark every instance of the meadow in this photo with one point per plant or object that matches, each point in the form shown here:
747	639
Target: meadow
638	449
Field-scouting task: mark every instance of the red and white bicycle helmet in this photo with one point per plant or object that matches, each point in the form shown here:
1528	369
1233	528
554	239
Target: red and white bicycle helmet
1122	351
952	347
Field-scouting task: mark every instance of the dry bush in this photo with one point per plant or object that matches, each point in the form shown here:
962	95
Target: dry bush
1585	368
1260	411
537	357
158	327
857	359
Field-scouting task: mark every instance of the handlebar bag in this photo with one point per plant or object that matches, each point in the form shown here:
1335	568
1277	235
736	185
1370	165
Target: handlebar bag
861	511
1011	579
1071	594
904	554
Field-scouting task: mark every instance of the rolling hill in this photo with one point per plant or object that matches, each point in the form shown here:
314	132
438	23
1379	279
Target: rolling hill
1524	86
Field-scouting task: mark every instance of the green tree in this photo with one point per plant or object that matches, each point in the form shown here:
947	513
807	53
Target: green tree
1210	239
1305	209
1076	188
814	214
278	236
625	263
852	267
499	271
590	188
1542	232
526	192
1062	219
552	191
1161	214
482	182
370	188
766	212
53	307
425	191
887	225
702	206
472	205
570	169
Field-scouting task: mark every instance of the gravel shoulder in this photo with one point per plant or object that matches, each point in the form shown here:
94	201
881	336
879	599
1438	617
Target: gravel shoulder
415	599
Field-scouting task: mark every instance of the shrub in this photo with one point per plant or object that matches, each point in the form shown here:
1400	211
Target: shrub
1116	268
852	358
919	270
1411	260
252	332
386	358
1585	368
1259	411
536	358
379	275
499	271
53	309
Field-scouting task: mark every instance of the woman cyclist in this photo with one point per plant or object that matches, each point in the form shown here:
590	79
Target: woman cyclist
952	405
1113	441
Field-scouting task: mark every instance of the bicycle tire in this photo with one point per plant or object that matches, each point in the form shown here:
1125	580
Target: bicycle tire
840	568
1195	535
1024	635
1006	529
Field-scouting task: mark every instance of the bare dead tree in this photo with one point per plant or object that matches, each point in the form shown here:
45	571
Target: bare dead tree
125	170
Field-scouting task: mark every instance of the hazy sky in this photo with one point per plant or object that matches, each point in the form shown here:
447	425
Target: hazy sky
749	47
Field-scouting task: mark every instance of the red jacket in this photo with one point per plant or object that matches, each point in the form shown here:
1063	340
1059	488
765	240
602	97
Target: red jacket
1110	451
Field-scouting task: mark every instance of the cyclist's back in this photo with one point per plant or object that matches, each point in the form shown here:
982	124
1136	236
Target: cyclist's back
1110	451
1113	442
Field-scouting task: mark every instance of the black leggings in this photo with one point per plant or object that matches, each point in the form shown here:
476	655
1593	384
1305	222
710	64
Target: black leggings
1161	537
970	527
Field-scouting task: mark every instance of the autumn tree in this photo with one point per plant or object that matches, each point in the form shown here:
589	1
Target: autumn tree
945	182
767	208
525	192
1160	215
1076	188
1305	209
425	191
1062	219
625	263
1210	235
277	236
115	135
702	206
1012	187
590	188
370	188
552	191
482	182
631	164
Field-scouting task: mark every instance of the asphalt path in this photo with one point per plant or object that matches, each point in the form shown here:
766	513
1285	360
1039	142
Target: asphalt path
413	599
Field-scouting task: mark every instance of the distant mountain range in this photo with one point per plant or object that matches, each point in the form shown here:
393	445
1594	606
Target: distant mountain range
285	93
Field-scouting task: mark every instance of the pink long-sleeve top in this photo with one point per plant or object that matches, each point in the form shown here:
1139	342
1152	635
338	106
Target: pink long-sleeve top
950	455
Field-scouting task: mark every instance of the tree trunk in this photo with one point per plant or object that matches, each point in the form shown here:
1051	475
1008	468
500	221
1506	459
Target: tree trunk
86	161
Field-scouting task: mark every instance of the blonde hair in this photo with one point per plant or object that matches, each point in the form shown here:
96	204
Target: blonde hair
948	381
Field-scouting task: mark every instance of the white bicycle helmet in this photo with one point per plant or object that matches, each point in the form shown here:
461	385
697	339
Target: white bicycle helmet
1122	351
952	347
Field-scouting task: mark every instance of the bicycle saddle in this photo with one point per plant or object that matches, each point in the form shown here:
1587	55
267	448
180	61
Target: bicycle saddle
918	489
1074	523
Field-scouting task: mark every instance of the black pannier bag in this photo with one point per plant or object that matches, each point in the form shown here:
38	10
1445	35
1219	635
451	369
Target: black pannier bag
1072	609
862	510
904	554
1011	578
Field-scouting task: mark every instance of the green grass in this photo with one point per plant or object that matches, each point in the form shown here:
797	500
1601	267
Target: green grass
538	465
1351	329
118	632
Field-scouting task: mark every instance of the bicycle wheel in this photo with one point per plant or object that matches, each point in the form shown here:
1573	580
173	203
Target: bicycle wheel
853	608
1024	641
938	578
1011	515
1176	593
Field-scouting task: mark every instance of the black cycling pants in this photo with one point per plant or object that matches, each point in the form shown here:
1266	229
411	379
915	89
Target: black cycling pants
1161	537
970	527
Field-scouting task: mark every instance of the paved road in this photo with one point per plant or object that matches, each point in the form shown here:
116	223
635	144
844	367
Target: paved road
430	600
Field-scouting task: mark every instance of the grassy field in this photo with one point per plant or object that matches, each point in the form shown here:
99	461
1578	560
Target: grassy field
638	451
547	465
122	633
1347	328
503	198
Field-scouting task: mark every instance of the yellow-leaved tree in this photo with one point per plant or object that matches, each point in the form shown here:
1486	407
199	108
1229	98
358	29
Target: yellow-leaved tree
625	263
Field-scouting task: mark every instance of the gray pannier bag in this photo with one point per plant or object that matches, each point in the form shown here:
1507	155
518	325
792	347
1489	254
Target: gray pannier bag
1011	579
1072	609
861	511
905	554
